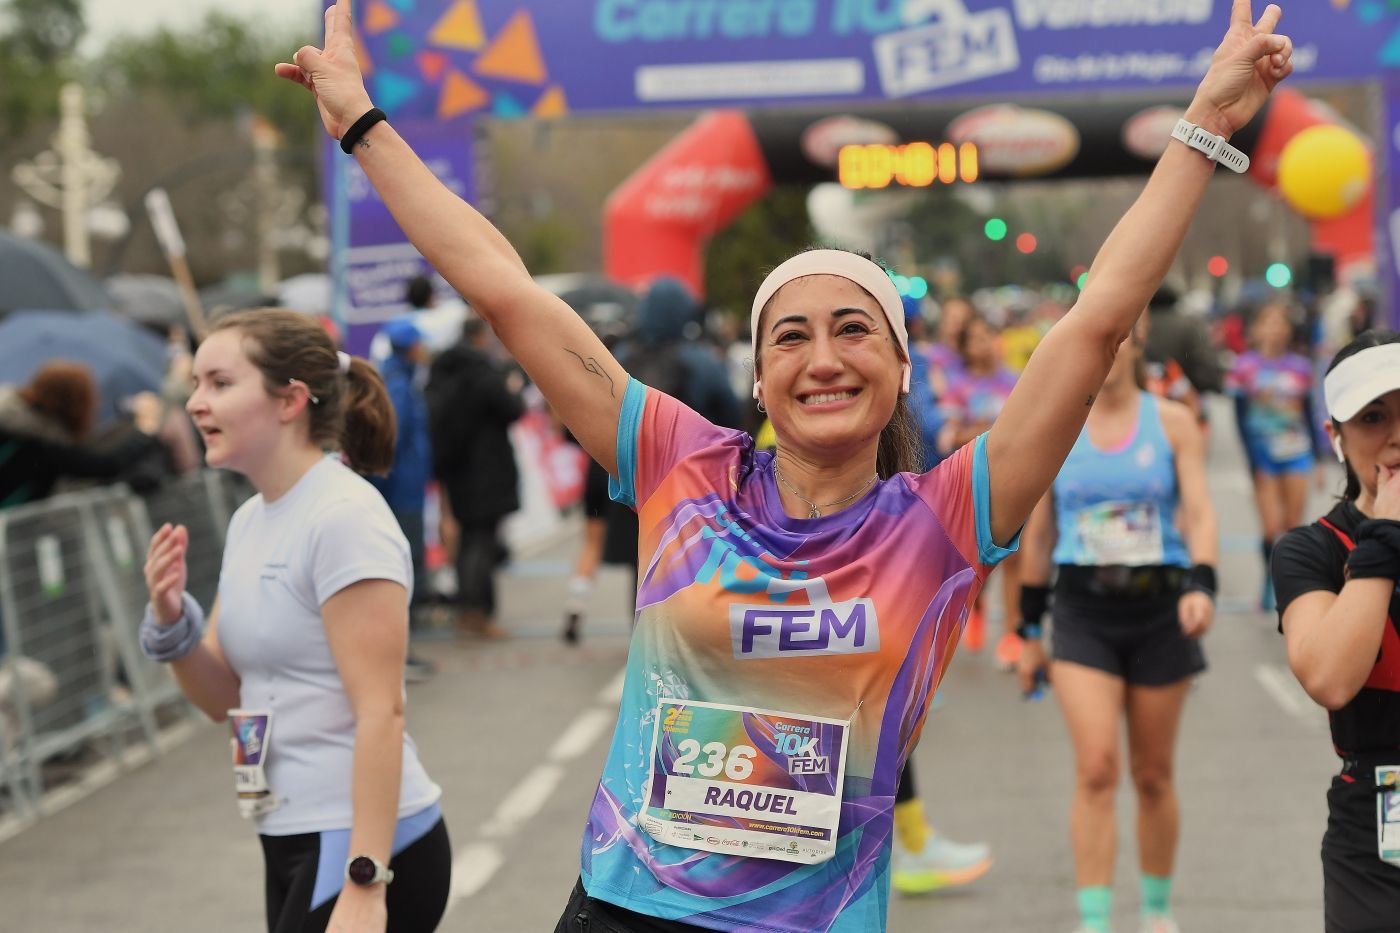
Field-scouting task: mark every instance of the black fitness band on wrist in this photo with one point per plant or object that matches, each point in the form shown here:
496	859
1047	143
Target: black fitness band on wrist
1035	600
1200	579
359	128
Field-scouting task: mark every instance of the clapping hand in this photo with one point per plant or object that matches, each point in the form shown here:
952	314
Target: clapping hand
166	572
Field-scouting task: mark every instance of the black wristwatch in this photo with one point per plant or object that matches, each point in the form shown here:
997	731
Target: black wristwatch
365	871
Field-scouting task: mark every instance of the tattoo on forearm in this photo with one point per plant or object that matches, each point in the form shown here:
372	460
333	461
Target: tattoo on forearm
1089	402
593	367
362	142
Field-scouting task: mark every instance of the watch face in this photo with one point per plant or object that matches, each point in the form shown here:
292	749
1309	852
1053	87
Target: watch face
361	870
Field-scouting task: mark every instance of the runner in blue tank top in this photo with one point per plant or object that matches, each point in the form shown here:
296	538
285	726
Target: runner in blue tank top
1133	595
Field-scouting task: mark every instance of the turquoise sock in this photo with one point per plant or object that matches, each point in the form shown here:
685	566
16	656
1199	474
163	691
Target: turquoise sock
1095	908
1156	896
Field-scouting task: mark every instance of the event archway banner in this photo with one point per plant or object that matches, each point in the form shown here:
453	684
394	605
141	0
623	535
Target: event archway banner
447	59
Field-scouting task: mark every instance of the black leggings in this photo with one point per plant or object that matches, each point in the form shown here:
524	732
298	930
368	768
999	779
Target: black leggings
584	914
416	898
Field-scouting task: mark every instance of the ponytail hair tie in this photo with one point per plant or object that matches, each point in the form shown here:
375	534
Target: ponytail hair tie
344	359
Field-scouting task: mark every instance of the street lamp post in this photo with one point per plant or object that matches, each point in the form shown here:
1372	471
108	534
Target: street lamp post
70	176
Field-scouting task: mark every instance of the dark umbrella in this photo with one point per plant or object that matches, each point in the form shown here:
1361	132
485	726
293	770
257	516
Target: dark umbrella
153	300
35	275
124	357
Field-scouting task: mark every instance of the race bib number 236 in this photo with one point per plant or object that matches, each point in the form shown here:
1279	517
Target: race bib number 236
743	781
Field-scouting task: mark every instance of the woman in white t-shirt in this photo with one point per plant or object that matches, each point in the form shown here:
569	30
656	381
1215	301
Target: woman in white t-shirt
303	651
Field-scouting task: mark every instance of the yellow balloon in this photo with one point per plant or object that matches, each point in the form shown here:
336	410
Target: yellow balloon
1324	172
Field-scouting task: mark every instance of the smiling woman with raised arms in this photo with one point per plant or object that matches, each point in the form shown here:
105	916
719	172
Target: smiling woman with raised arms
796	610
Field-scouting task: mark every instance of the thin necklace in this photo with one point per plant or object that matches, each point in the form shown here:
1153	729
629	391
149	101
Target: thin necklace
815	509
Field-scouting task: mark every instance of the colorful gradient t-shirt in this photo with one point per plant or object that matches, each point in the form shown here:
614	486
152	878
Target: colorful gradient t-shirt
972	400
1276	392
715	543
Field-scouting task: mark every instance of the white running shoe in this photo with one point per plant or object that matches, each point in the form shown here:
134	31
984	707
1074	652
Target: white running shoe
942	864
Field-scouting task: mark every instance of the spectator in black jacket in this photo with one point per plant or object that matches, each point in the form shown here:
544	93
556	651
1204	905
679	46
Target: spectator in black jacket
472	401
45	427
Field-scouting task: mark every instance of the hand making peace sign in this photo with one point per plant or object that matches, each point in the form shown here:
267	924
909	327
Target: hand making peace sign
1248	64
332	73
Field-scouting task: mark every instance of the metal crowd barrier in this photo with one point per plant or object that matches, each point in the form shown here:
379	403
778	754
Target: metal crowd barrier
72	592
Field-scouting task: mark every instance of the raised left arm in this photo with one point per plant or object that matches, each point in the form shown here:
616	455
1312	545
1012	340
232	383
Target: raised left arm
1041	420
367	629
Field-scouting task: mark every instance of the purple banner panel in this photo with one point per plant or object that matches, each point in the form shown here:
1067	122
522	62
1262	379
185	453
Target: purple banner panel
379	258
441	59
1388	217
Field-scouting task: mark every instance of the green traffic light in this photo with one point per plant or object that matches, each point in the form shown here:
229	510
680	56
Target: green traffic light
995	229
1278	275
1083	277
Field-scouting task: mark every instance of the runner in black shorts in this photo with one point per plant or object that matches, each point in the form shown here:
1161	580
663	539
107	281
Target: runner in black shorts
1338	611
1132	597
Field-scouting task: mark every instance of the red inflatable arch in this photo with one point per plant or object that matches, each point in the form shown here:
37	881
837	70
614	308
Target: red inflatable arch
660	220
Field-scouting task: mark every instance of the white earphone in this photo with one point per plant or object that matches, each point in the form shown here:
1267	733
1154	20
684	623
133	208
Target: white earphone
1337	448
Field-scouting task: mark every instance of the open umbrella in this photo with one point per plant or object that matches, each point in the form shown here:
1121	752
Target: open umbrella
153	300
124	357
35	275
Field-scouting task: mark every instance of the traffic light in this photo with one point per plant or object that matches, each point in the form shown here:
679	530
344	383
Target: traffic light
1278	275
1218	266
995	229
1026	243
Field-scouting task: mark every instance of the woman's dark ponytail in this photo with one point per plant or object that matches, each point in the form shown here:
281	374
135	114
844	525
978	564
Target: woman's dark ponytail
370	428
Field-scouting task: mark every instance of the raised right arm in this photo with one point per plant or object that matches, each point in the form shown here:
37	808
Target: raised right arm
562	355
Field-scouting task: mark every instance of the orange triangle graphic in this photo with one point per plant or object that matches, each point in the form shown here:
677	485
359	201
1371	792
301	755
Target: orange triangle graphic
459	28
432	65
380	17
551	104
459	95
362	56
515	53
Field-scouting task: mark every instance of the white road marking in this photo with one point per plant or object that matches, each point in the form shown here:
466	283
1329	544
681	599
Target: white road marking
474	864
1280	685
523	802
581	734
611	695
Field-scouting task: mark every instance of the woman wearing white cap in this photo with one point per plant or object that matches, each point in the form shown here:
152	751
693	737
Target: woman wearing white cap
1339	610
795	610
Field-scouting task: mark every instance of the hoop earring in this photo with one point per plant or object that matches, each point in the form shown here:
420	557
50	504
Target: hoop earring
761	409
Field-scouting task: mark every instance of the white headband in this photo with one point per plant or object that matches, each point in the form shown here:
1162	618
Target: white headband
848	266
1359	380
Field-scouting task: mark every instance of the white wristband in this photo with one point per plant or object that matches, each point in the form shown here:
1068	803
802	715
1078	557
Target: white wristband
1213	147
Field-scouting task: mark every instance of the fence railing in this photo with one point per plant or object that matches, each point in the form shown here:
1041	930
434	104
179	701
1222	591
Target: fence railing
74	685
